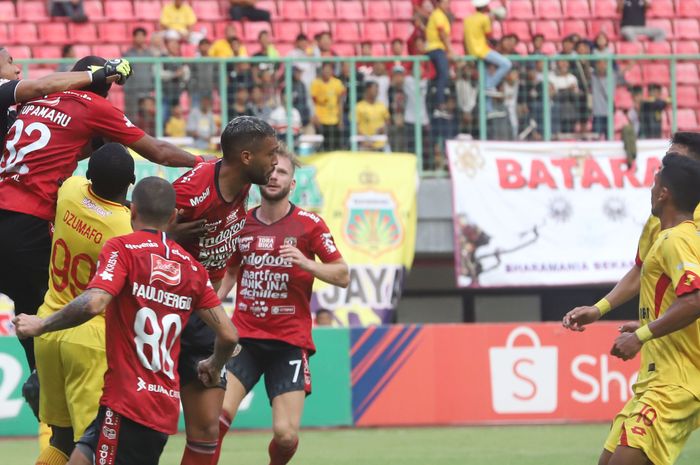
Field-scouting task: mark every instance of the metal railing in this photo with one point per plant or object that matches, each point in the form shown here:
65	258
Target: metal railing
551	108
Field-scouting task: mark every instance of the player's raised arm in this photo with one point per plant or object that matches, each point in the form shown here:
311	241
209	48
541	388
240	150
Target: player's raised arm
164	153
335	272
81	309
229	280
209	370
117	70
624	290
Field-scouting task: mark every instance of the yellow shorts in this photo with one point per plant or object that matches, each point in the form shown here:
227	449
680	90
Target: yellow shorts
71	376
657	422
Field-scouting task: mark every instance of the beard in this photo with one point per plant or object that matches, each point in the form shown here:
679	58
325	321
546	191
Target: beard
281	194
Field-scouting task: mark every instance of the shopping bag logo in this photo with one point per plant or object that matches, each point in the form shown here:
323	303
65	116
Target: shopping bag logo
523	378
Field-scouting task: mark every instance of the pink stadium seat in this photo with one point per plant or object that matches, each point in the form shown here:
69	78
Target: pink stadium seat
521	48
220	29
687	73
403	9
311	28
344	49
21	51
352	10
620	120
32	11
206	10
400	30
346	32
664	24
322	10
292	9
623	99
53	33
269	5
687	97
634	75
630	48
377	11
576	9
457	34
4	34
7	11
285	32
26	31
549	29
84	50
116	97
605	9
548	9
661	9
549	48
93	10
608	26
40	71
107	51
520	9
284	49
573	26
685	46
82	33
688	8
657	73
46	51
687	120
251	30
374	31
149	11
114	33
519	28
461	8
686	29
120	10
658	48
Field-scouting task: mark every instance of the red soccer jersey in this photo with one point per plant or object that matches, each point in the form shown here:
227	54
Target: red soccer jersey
272	300
199	197
156	285
43	146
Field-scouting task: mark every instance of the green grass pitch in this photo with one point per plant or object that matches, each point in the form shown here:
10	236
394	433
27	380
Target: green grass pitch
498	445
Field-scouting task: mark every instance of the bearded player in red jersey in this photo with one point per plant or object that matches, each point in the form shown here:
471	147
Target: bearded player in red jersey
42	149
150	287
214	194
275	268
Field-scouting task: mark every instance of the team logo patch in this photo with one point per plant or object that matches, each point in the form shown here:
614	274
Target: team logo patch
165	270
244	243
283	310
266	242
290	241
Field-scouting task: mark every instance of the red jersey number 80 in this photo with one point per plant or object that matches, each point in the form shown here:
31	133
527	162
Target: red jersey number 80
155	339
14	164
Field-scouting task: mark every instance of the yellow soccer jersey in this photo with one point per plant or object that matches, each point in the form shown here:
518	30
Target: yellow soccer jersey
651	232
84	222
670	270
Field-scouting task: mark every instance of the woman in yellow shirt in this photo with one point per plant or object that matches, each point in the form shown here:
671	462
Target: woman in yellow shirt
439	49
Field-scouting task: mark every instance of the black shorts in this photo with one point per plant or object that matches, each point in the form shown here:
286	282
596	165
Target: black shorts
196	343
286	367
25	249
116	440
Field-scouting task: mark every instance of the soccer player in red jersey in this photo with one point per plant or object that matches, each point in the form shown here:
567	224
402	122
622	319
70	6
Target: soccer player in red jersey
214	193
275	267
150	287
42	149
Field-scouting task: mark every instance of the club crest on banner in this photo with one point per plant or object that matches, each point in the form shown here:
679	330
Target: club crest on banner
371	222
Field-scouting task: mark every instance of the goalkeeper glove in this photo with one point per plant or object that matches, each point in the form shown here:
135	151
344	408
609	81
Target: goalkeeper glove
115	67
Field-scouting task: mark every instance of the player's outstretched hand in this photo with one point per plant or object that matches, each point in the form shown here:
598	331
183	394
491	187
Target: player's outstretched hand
208	374
186	231
578	318
630	327
27	325
294	255
626	346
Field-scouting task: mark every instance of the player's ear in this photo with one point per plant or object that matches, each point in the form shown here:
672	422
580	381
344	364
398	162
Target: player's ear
293	185
173	217
246	157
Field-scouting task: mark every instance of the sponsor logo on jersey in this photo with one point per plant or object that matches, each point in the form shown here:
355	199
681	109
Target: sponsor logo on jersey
242	306
266	259
212	227
108	273
309	215
167	271
244	243
109	433
128	122
266	242
283	310
157	388
233	216
149	244
88	203
328	243
194	201
290	241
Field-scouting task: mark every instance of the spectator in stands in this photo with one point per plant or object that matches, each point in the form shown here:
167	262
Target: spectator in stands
72	9
476	27
467	89
511	85
246	9
229	46
439	49
633	115
203	76
582	70
564	91
176	124
239	75
282	120
324	317
421	13
259	107
365	67
146	115
633	22
240	107
300	96
398	138
601	44
174	77
599	81
345	71
179	16
67	51
443	129
202	123
380	76
372	118
327	92
415	112
530	102
537	44
266	81
507	44
324	48
141	83
267	48
302	49
651	113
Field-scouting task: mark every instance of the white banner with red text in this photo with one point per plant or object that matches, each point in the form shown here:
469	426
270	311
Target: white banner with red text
548	214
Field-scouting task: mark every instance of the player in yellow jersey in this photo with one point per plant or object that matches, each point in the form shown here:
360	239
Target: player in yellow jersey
683	143
71	363
665	408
